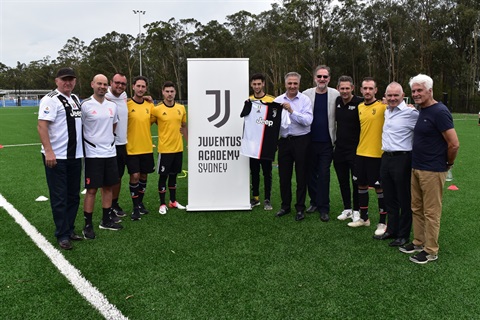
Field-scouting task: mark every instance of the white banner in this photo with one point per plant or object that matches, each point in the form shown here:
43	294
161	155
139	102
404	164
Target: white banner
218	177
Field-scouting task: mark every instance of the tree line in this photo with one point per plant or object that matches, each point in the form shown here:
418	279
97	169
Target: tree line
390	40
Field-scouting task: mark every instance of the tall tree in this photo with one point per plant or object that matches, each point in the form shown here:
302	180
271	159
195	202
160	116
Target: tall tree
167	46
73	54
112	54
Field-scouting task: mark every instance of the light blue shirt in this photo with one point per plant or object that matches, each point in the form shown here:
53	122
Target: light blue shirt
398	128
301	118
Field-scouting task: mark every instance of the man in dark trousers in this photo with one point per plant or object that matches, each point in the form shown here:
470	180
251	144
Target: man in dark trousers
293	145
348	134
396	166
60	131
323	135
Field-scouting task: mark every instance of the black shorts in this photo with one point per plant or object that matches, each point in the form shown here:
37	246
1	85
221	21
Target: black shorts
367	171
140	163
121	159
100	172
169	163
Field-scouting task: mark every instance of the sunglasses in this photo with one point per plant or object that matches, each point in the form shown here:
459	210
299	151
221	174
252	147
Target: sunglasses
320	76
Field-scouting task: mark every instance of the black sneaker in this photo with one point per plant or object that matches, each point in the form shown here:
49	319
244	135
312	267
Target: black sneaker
136	215
88	232
114	217
267	205
410	248
142	208
423	257
254	203
110	225
117	211
75	237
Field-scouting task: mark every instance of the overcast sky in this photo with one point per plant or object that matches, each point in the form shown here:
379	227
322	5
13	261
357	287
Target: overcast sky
31	30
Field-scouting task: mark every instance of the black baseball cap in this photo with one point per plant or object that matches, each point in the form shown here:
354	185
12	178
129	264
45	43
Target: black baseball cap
66	72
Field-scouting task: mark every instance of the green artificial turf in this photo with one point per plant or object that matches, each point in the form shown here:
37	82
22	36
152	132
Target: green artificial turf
234	265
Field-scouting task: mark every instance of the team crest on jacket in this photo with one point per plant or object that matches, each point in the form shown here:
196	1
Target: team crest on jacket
374	111
274	113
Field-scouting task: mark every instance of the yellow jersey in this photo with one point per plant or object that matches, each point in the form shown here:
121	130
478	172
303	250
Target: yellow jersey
169	120
139	136
265	98
372	117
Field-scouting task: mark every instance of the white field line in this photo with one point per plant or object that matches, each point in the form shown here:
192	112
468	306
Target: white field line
73	275
22	145
33	144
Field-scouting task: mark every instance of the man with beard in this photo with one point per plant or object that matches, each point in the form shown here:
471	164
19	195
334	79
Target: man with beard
369	153
323	135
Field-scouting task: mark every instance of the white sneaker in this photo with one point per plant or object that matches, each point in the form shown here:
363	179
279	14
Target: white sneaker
359	223
176	205
346	214
163	209
381	228
356	216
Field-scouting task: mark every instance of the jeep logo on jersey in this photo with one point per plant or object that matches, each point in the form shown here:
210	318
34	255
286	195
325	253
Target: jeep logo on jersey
76	114
217	112
265	122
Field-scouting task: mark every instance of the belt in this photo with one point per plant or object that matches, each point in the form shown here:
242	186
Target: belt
290	137
395	153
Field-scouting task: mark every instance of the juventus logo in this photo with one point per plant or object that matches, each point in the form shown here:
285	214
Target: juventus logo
216	115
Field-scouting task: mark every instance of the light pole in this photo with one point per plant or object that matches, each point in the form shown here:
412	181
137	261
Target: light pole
139	12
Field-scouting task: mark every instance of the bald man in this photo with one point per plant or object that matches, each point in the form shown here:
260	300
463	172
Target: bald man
396	165
99	117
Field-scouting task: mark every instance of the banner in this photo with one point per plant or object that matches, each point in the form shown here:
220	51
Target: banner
218	176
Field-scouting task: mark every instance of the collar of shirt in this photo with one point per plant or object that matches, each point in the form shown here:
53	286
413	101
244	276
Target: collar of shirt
285	96
400	107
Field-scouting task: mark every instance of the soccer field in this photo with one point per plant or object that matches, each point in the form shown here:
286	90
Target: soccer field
228	265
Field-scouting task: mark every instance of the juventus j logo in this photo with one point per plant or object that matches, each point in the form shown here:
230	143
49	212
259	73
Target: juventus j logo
216	115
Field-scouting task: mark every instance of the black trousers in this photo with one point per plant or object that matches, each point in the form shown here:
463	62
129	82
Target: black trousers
344	170
320	159
64	185
293	153
395	172
266	165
